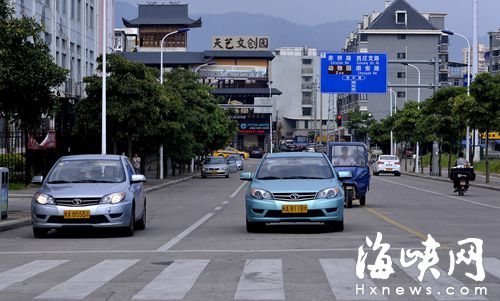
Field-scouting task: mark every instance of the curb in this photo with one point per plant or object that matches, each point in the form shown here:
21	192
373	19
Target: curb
21	222
449	181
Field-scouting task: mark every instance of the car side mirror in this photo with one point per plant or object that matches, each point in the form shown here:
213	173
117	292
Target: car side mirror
246	176
37	180
138	179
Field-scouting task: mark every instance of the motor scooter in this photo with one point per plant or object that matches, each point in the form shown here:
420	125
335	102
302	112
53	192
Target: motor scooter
461	177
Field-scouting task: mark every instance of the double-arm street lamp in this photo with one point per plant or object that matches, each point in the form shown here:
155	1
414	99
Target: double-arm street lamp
161	82
269	83
418	100
467	131
203	65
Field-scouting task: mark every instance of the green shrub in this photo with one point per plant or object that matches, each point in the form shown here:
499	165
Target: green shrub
14	162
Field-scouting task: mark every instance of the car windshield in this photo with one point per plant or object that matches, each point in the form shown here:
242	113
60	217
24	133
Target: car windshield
87	171
215	160
394	158
348	155
294	168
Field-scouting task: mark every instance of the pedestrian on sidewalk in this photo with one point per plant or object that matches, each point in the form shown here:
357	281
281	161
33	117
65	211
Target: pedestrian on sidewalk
136	160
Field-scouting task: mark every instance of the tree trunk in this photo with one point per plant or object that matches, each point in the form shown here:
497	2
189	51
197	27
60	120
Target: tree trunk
435	158
449	162
431	158
440	150
487	160
129	147
406	157
115	147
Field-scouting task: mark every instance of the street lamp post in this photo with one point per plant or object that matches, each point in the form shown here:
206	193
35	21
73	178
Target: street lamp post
104	49
161	82
269	83
203	65
467	131
418	100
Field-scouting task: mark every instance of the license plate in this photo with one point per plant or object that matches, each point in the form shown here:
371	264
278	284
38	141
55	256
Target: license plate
76	213
388	169
213	171
294	209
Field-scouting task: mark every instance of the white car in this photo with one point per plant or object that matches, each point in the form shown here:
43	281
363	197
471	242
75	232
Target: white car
387	164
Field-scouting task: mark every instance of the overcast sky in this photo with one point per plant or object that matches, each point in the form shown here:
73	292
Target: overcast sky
313	12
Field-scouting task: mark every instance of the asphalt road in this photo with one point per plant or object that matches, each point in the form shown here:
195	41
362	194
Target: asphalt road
196	248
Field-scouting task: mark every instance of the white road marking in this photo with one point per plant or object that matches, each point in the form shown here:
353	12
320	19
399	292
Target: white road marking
262	279
397	249
225	202
217	208
237	190
341	275
174	282
443	288
86	282
184	233
492	266
462	199
26	271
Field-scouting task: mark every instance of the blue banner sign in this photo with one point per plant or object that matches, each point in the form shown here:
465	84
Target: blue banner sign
354	73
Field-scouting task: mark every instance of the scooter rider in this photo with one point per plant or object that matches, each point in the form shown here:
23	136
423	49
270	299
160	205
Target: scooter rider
461	161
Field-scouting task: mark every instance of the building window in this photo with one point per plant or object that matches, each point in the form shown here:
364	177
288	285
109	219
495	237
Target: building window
306	124
400	17
306	61
363	96
401	55
401	37
363	37
401	94
306	111
456	82
401	74
324	122
444	39
443	77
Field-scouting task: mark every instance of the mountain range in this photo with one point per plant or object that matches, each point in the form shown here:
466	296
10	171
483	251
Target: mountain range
282	33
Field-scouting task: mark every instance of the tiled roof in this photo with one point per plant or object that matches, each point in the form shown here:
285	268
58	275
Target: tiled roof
387	19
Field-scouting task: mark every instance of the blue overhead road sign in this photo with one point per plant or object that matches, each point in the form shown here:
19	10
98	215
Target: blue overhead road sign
353	73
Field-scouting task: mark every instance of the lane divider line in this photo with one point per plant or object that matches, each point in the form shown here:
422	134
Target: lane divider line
237	190
441	194
184	233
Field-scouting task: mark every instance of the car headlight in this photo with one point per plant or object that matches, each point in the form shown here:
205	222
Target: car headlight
43	199
113	198
261	194
328	193
223	168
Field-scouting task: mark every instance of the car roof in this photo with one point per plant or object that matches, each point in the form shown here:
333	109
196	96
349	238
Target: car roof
91	157
295	155
347	143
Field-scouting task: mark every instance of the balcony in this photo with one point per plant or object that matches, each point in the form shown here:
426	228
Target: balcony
307	70
443	48
307	86
307	100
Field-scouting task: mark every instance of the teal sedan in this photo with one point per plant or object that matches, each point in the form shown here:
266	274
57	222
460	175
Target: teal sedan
294	187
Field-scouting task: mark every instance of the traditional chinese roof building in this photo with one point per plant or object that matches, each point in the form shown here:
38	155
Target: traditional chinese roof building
157	20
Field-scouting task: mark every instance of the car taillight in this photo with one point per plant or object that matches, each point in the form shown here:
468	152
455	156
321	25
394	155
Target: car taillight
380	162
397	163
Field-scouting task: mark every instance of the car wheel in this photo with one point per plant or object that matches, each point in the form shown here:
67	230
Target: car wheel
129	231
375	173
203	176
335	226
362	200
40	232
397	174
253	227
141	224
348	198
221	155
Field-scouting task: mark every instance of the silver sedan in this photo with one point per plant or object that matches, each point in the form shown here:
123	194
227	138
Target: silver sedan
89	191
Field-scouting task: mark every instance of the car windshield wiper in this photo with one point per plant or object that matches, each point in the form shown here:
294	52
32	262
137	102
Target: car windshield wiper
269	178
59	182
92	181
304	177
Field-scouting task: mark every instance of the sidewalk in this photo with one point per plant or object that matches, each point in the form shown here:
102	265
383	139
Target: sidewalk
20	200
479	182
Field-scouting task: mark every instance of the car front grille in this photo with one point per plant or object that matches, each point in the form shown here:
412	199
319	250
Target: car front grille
94	219
76	202
294	196
309	213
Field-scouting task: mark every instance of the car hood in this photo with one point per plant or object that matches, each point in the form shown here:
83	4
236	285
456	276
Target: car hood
88	190
294	185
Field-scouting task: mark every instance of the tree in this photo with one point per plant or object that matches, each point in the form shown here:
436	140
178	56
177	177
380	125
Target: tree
482	110
28	75
137	109
438	121
379	131
358	123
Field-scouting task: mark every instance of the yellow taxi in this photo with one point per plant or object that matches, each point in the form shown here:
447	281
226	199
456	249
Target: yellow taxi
230	151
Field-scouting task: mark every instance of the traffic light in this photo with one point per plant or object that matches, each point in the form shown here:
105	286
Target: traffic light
339	120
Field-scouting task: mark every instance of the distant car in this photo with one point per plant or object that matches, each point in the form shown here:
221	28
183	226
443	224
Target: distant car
311	148
387	164
291	147
255	152
230	151
294	187
375	151
97	191
214	166
237	160
408	153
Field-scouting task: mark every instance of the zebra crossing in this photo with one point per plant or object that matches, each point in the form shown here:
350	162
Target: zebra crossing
254	279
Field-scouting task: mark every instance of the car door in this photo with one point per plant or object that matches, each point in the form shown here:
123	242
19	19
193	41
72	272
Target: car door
137	189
